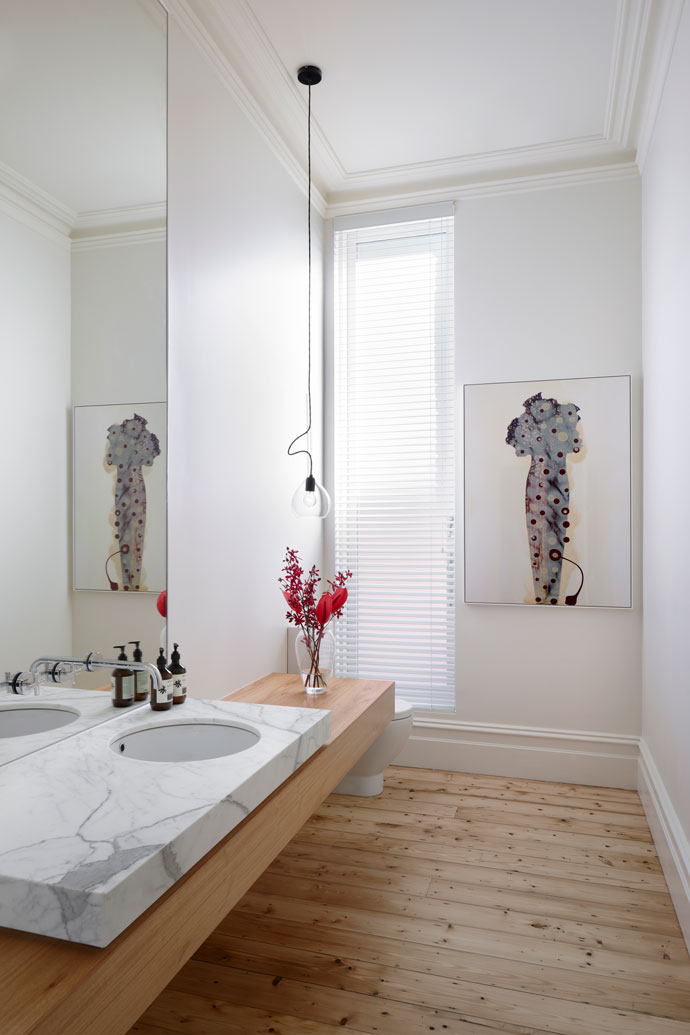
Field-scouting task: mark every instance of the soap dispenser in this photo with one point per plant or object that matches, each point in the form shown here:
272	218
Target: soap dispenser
162	699
121	681
142	680
179	674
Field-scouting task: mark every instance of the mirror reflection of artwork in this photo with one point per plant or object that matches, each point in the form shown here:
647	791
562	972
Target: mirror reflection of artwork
547	521
119	497
130	448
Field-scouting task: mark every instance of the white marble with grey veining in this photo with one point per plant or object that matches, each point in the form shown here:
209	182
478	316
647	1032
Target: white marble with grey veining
91	707
89	839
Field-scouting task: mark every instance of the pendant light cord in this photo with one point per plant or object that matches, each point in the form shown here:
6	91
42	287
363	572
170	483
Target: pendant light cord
308	429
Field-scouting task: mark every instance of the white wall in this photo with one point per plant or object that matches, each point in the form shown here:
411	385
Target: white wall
548	285
118	356
237	363
666	331
35	446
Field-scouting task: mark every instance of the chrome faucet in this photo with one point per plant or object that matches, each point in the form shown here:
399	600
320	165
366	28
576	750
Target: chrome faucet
53	669
20	683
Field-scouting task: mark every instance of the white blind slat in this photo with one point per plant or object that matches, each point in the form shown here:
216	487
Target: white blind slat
395	454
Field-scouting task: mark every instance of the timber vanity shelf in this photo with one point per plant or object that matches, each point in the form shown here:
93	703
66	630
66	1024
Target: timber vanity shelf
51	987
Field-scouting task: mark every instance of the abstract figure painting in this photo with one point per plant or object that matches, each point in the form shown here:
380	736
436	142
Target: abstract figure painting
131	447
547	431
119	497
547	493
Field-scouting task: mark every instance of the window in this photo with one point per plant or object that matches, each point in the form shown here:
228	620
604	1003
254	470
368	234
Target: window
394	478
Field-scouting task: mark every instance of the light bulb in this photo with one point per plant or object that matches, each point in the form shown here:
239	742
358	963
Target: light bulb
311	499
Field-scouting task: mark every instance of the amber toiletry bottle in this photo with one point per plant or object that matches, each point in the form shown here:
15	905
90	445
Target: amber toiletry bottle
142	680
121	681
161	699
179	674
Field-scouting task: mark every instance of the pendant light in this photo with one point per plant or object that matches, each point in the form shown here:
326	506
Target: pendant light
310	498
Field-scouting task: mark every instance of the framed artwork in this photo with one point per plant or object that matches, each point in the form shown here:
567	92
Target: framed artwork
548	492
120	497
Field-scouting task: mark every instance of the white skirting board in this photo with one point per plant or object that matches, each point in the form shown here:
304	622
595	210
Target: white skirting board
669	837
564	756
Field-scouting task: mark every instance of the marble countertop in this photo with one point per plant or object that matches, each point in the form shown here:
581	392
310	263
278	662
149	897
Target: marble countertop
92	707
90	838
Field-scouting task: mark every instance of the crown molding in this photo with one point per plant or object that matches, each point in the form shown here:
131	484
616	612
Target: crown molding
22	200
206	26
668	16
273	87
118	239
520	184
132	218
567	154
633	25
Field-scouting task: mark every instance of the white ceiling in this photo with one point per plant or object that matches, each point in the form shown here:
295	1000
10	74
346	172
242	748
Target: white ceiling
84	101
408	82
420	98
424	95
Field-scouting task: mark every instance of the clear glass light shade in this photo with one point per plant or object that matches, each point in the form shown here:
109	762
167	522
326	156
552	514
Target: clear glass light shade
311	499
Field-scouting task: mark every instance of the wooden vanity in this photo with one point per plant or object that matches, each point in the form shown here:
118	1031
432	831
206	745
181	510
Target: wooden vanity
51	987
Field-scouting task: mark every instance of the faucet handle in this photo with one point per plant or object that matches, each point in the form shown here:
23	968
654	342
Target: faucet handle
63	672
20	683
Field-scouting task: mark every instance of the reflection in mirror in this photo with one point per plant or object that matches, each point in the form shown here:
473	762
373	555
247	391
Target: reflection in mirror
82	318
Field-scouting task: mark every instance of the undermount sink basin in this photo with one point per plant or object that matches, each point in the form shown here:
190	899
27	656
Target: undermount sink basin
22	720
89	840
185	742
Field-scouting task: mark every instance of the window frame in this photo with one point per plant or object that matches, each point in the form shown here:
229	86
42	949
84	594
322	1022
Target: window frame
387	220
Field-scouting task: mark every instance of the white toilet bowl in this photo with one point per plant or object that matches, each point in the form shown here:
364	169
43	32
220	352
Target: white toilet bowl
365	779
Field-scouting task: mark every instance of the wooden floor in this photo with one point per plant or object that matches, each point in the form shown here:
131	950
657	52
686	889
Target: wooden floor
456	904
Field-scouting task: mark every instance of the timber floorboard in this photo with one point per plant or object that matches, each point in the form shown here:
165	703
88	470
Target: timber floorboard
452	903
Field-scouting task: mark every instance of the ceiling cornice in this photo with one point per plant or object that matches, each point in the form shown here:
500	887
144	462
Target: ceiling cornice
32	206
200	20
233	40
630	35
573	155
521	184
118	238
132	218
24	201
668	16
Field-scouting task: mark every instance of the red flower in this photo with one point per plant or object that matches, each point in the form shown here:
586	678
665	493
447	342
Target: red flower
300	590
324	609
293	603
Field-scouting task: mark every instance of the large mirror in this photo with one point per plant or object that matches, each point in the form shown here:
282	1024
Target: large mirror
82	326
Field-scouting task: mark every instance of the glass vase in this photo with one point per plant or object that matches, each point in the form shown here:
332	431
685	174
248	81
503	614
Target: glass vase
315	658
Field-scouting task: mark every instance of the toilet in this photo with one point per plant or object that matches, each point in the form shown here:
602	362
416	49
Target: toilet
365	779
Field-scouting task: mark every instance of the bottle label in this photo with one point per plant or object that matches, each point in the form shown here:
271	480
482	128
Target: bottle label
163	695
179	686
142	682
126	688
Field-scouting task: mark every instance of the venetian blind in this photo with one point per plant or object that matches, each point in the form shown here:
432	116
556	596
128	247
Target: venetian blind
394	477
